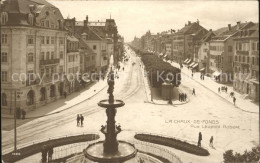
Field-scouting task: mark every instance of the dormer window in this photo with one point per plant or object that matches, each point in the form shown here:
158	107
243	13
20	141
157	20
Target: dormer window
30	19
4	18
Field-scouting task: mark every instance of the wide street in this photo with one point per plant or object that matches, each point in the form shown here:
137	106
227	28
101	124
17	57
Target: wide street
206	112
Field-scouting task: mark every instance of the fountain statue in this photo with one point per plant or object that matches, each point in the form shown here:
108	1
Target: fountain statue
110	150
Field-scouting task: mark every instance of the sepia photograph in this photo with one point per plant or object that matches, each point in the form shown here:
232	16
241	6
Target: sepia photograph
130	81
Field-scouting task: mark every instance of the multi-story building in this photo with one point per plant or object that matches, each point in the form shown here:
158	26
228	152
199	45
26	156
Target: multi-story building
203	52
33	41
222	52
186	41
246	61
73	62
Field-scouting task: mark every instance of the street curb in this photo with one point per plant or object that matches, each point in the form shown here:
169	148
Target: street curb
64	108
222	97
151	102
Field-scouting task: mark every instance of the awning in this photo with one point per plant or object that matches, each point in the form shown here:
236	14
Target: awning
255	81
195	65
216	73
202	69
186	60
192	64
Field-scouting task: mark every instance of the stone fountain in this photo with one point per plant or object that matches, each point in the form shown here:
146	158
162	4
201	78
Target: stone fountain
110	150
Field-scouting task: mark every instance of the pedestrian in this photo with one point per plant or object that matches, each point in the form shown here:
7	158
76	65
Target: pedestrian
78	119
193	91
123	68
81	119
226	89
199	140
23	114
50	153
44	154
65	94
211	142
234	100
185	96
179	97
218	89
192	75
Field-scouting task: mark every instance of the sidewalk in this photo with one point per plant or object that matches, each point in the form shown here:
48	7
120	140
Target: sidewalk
246	105
59	105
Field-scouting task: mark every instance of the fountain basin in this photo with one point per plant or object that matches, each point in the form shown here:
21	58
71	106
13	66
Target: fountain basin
115	104
95	152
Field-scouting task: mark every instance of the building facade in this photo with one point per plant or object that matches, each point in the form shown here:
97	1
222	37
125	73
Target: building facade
246	61
32	41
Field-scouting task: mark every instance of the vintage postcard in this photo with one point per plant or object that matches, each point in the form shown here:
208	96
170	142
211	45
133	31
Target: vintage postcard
129	81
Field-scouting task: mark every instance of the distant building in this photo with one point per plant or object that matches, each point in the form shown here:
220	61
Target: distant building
186	42
33	41
246	61
203	52
222	52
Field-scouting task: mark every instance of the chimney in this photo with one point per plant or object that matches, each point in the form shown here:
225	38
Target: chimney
238	25
189	22
229	27
86	21
210	30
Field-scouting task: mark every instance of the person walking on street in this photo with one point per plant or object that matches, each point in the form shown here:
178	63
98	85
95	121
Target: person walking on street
78	119
179	97
192	75
226	89
193	91
211	142
185	96
218	89
23	114
234	100
199	140
81	119
50	153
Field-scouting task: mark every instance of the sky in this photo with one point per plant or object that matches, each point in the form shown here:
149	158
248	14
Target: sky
135	18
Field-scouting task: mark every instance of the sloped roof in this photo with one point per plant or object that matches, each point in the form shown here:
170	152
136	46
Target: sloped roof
22	6
92	35
230	32
208	36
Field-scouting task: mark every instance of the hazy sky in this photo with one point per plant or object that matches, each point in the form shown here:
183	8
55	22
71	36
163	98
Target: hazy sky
134	18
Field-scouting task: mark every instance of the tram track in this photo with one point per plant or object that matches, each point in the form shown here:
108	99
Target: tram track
69	115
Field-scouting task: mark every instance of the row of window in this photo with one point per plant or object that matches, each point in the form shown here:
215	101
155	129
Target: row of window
246	59
72	58
30	56
216	48
246	46
30	39
48	71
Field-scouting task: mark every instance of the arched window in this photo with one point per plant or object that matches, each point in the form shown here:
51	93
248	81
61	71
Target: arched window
4	99
30	19
52	91
30	97
4	18
43	94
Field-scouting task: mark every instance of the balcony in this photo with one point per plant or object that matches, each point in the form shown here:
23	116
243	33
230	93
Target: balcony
49	62
242	52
